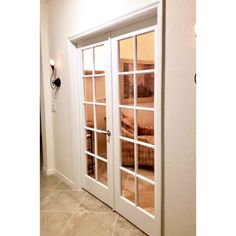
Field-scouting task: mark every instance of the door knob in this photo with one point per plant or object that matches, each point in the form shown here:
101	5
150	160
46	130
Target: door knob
108	133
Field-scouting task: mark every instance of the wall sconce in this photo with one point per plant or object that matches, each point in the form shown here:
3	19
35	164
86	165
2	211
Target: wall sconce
54	82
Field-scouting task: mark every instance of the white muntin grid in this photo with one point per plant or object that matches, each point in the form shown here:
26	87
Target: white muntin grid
135	109
95	104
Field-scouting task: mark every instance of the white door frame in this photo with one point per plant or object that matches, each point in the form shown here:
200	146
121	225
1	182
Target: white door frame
134	16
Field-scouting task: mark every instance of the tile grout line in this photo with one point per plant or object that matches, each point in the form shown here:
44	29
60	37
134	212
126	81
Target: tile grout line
50	190
69	220
115	225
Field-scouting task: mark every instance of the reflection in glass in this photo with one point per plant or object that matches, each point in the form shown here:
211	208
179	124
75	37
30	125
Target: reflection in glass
90	166
146	196
126	89
99	57
145	161
145	90
102	145
127	154
90	141
88	61
88	89
145	121
145	51
127	122
127	186
102	171
126	54
89	118
100	90
101	117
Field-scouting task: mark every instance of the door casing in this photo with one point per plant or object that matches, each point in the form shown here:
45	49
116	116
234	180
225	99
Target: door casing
150	9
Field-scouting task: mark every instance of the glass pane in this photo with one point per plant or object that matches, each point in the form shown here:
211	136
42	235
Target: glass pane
126	54
145	90
88	89
90	166
145	121
126	90
127	186
100	90
99	57
101	117
102	145
102	171
89	118
145	51
146	161
88	61
127	123
127	154
90	141
146	196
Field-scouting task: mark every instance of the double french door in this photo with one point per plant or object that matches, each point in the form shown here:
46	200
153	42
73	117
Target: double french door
119	122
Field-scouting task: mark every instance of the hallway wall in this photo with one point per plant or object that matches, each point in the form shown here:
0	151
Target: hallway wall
180	119
65	19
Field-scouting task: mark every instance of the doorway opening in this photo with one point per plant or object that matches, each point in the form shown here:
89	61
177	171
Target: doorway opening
119	87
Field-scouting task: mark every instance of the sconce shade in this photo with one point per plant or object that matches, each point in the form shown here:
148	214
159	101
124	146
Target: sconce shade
52	62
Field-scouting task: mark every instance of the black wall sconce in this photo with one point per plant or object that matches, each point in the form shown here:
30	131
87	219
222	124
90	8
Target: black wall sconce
54	82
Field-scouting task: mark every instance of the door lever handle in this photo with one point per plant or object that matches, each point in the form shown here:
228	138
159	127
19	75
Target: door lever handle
108	133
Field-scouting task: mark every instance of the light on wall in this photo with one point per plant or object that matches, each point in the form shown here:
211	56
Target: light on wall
54	82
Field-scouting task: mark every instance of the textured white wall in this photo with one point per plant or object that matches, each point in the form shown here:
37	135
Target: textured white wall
180	105
45	95
65	19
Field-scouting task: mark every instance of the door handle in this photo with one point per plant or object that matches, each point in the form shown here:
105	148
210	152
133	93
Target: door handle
108	133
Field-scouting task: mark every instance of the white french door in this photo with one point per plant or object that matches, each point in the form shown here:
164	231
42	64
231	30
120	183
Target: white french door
96	118
135	132
119	121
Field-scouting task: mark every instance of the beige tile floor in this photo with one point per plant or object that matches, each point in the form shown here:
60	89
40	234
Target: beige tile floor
77	213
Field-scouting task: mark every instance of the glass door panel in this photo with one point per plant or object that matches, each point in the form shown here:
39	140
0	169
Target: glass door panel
135	75
97	161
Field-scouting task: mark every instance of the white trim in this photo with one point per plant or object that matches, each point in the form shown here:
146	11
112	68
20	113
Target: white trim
94	103
149	145
60	176
131	72
93	75
145	12
48	171
75	119
159	191
64	179
137	14
137	107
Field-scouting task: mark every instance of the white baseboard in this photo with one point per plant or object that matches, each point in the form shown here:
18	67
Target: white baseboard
60	176
63	178
48	171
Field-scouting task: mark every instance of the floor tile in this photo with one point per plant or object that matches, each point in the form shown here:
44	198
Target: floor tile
48	180
62	186
62	201
125	228
92	224
44	191
54	224
92	204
